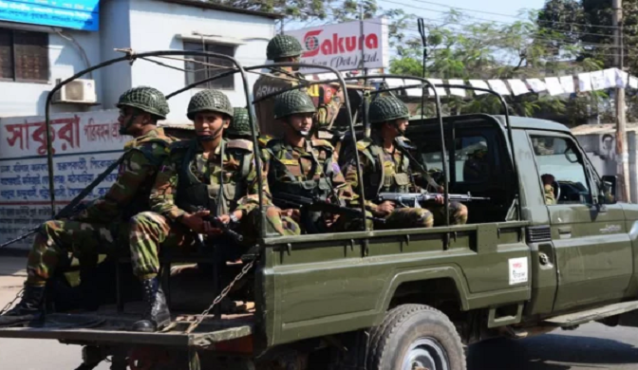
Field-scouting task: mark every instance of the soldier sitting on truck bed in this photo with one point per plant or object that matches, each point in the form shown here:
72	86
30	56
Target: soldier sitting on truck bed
203	181
306	166
103	226
386	168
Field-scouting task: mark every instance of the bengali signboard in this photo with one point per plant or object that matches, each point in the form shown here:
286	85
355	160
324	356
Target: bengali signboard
343	46
84	144
76	14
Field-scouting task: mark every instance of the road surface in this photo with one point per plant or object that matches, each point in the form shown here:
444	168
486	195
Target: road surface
593	346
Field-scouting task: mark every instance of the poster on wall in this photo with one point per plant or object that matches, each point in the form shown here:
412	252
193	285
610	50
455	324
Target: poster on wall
344	47
75	14
84	144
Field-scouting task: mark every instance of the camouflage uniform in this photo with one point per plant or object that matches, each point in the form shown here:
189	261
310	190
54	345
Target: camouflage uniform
99	227
189	180
385	171
309	171
548	192
281	46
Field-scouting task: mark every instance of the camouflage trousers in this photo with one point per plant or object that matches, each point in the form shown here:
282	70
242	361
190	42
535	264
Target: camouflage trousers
403	218
150	230
457	215
57	238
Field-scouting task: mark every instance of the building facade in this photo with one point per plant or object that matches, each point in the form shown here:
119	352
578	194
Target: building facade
33	58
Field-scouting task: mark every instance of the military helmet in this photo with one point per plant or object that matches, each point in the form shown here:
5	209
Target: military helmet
240	126
293	102
387	108
147	99
282	46
209	100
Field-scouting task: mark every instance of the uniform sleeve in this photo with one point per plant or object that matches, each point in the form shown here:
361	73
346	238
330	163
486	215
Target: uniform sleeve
549	195
250	201
342	187
133	172
353	180
164	190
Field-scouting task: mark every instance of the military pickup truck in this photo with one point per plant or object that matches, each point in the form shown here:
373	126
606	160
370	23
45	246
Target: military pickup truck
407	298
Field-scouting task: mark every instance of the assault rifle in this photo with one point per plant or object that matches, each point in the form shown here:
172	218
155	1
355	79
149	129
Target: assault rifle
414	199
216	222
315	204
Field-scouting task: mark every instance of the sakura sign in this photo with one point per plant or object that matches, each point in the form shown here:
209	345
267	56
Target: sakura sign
343	46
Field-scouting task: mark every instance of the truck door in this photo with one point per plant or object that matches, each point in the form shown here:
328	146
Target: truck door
593	249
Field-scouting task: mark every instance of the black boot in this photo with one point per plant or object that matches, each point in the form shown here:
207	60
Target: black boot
28	309
158	315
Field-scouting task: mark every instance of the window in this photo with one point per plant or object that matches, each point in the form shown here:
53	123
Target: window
471	163
24	56
198	72
560	165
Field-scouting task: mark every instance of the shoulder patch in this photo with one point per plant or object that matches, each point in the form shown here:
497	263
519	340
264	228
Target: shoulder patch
363	144
263	140
241	144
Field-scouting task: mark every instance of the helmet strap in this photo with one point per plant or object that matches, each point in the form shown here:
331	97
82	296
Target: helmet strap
303	134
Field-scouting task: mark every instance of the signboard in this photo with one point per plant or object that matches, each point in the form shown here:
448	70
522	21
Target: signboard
84	144
343	46
76	14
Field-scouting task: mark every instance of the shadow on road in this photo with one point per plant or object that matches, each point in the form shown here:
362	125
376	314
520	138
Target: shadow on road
550	352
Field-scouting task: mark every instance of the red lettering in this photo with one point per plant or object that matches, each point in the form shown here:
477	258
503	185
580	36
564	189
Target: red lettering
337	44
372	41
351	43
311	42
19	131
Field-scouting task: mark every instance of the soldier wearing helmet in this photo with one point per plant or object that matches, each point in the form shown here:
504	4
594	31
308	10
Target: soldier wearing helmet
281	48
103	225
303	165
202	179
387	168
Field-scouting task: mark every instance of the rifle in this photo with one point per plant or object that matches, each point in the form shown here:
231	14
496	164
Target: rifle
316	204
416	198
216	222
71	208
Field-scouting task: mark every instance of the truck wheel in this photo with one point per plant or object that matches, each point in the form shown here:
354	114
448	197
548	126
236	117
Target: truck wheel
415	337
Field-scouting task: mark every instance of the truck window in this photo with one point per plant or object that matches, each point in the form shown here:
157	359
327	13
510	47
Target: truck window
471	161
560	166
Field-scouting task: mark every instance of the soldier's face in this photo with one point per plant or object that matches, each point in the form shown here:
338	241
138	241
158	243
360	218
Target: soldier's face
132	121
301	122
210	124
396	128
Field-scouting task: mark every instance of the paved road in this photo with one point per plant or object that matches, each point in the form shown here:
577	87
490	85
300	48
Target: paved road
593	346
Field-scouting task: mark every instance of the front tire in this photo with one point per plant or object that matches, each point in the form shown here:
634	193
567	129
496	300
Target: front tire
415	337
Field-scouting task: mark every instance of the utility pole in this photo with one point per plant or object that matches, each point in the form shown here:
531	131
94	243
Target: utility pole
621	131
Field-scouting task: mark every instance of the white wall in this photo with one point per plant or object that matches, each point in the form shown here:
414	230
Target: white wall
115	30
28	99
176	19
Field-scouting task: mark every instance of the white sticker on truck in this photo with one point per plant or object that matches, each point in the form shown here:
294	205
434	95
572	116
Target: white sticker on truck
518	270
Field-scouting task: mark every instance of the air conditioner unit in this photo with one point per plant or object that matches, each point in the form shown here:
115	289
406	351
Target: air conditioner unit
80	91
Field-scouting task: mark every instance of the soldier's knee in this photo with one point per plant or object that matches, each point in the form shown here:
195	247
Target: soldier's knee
145	218
425	218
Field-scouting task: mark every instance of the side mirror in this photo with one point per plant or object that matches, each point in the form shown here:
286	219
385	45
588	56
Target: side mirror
609	186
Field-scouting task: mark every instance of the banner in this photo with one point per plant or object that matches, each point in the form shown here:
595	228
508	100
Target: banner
75	14
84	145
343	46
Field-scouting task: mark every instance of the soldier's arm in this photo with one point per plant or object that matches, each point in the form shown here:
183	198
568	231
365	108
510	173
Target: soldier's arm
353	180
133	172
163	193
342	187
251	199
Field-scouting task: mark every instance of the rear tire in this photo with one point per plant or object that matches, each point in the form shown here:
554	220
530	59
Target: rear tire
415	336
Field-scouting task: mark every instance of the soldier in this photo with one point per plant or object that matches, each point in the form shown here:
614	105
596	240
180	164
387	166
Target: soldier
386	168
548	189
204	177
306	166
102	226
282	48
239	128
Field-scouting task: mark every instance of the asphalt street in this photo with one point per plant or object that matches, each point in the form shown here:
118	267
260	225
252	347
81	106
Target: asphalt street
593	346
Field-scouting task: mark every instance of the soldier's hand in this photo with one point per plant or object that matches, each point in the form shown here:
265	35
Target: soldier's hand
211	230
292	213
195	221
439	199
385	208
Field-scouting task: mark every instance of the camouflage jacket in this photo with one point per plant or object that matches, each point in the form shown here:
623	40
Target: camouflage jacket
548	192
186	164
130	193
268	84
298	170
382	171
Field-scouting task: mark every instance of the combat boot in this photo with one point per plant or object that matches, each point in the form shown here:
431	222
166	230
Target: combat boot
29	308
158	315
